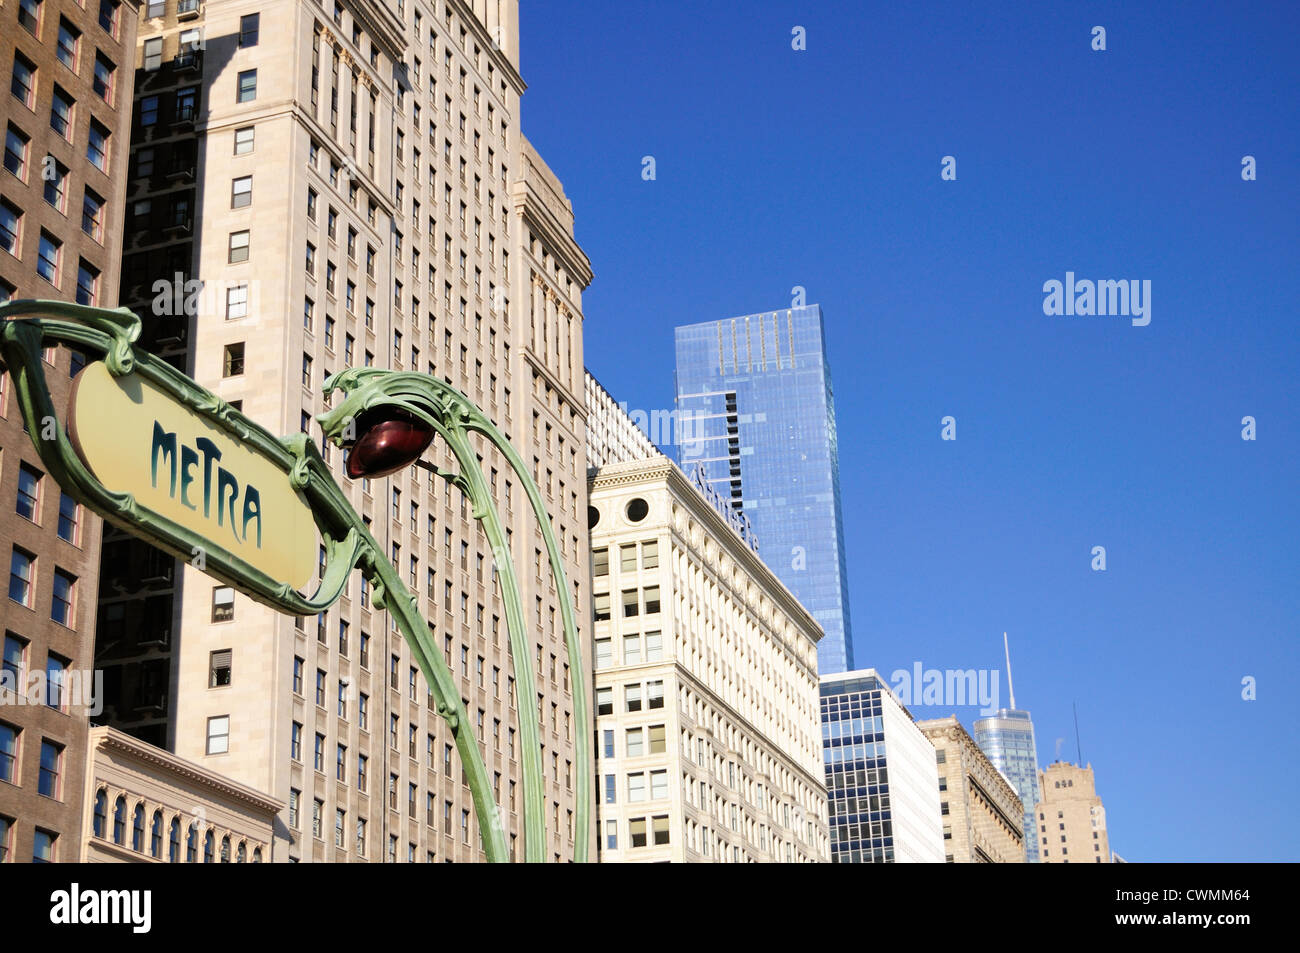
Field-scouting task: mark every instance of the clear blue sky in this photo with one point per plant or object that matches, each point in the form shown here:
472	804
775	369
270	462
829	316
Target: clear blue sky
821	168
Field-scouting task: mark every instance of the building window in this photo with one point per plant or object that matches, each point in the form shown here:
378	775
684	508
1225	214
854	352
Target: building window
108	16
244	141
219	665
241	192
295	741
49	258
22	577
247	86
10	228
17	147
236	302
8	753
103	79
87	283
218	734
238	249
92	215
29	492
44	847
23	83
61	599
67	44
47	784
61	113
97	146
248	28
56	672
223	603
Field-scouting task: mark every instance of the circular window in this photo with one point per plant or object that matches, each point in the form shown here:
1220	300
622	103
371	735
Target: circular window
593	517
637	510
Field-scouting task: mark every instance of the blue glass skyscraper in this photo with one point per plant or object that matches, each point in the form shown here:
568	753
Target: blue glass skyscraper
1007	738
757	412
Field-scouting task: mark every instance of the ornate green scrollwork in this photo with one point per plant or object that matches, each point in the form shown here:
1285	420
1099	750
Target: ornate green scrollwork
26	327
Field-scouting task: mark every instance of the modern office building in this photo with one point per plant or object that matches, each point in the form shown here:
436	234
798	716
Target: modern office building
755	395
1007	738
66	122
1071	819
706	681
347	184
145	805
981	813
882	785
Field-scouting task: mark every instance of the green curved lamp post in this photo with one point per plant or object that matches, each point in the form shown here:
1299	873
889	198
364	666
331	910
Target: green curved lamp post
27	327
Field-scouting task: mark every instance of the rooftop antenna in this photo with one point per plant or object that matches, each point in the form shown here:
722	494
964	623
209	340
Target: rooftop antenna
1010	686
1078	748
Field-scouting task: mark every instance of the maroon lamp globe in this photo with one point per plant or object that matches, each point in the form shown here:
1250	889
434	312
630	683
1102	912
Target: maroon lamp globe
388	440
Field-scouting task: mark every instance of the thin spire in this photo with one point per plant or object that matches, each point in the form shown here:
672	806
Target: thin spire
1078	747
1010	686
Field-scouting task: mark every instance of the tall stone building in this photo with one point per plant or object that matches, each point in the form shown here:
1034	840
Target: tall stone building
982	814
318	186
708	739
1071	818
66	121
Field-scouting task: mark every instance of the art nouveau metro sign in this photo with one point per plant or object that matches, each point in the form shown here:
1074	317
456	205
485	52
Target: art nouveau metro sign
155	453
135	438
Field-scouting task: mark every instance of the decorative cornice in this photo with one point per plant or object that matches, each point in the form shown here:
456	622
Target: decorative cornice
107	738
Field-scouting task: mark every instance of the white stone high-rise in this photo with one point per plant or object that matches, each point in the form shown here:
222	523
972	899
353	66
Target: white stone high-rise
360	193
708	740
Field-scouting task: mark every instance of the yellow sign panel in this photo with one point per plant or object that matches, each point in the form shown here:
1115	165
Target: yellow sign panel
137	439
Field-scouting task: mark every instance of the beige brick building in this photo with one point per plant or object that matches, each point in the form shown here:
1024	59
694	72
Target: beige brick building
981	812
66	119
351	185
1071	818
143	804
707	719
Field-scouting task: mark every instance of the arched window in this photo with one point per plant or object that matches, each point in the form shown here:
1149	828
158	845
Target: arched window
155	836
137	828
241	856
174	841
225	849
209	842
101	812
192	844
119	820
257	855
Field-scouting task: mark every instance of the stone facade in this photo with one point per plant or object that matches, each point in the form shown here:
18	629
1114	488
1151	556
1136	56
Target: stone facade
1071	818
981	813
143	804
707	722
353	187
60	238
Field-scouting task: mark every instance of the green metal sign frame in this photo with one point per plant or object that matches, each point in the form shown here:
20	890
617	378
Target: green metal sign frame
28	327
